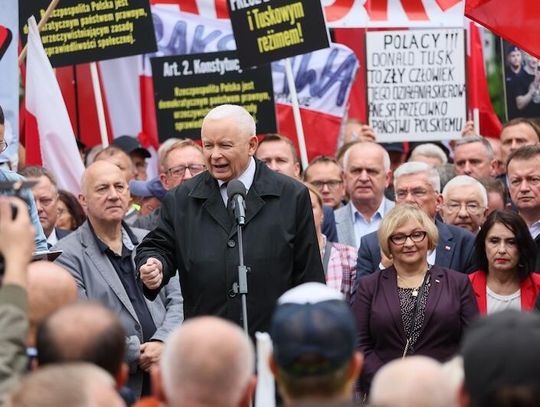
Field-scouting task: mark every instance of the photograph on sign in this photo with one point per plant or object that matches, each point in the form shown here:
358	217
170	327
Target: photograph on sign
186	87
521	82
416	84
267	31
81	31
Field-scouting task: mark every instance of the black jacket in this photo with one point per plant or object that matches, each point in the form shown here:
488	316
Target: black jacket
197	236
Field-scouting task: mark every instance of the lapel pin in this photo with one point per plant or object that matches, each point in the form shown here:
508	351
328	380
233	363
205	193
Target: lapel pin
437	281
447	248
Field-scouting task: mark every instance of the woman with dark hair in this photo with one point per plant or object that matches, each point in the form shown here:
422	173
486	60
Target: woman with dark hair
70	212
506	255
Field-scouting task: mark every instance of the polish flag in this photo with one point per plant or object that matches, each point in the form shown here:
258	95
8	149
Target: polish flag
478	93
50	141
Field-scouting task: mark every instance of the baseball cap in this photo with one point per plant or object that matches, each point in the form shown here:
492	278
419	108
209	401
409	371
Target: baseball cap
144	189
130	145
313	330
501	351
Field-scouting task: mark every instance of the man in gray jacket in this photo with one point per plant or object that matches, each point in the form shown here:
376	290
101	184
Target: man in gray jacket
99	254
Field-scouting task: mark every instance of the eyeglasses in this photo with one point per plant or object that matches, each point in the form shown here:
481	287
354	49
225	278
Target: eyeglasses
3	146
331	184
402	194
179	170
472	208
399	239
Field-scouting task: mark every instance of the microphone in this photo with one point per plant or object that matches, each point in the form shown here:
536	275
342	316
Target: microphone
236	193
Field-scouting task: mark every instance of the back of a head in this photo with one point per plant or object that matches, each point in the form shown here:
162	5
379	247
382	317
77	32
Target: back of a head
50	287
501	360
314	336
414	381
206	361
73	385
83	331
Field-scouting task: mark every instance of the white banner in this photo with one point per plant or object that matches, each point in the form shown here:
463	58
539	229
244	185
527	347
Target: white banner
365	13
323	78
416	84
394	13
9	76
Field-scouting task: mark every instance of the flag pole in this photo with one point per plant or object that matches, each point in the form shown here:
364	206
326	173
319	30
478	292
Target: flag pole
40	25
99	105
296	114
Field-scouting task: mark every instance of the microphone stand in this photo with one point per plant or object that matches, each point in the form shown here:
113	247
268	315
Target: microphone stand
241	287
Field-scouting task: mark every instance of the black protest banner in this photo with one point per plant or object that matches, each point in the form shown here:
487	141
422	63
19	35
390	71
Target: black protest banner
416	84
81	31
269	30
186	87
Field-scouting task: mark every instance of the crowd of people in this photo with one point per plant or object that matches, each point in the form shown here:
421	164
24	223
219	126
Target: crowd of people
386	275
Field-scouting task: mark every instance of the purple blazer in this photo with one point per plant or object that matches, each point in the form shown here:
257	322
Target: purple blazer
451	306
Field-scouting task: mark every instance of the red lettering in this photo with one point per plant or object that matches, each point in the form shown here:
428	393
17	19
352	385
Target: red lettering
446	4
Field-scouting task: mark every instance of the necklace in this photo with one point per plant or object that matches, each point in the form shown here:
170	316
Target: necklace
415	289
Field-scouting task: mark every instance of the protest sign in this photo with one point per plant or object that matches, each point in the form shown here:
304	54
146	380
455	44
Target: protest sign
186	87
266	32
81	31
416	84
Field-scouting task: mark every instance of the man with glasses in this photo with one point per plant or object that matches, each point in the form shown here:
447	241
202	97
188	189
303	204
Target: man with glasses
179	162
326	175
46	196
419	184
367	173
465	203
523	172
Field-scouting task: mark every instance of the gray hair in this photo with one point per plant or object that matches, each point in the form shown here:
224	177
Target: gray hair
207	361
476	139
465	180
241	116
415	167
386	156
429	150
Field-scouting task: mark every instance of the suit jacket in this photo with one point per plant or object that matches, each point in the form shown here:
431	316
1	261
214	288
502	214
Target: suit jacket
450	307
455	250
344	223
198	237
530	287
537	241
61	233
97	279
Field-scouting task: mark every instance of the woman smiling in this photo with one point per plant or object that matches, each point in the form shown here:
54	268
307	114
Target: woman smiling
410	307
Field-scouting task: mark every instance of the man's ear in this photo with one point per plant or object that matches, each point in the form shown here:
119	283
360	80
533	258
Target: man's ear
122	375
157	383
463	396
248	393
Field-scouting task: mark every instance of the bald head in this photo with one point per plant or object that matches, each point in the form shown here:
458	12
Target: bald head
413	381
50	287
207	361
105	194
120	159
74	385
83	331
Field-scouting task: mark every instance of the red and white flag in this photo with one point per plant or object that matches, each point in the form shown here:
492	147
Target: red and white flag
50	141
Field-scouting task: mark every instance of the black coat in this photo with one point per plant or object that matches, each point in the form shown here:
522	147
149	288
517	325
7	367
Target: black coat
197	236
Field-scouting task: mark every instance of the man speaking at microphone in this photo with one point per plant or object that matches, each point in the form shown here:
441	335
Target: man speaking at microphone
197	230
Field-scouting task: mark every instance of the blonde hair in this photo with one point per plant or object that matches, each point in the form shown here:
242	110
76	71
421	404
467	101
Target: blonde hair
397	217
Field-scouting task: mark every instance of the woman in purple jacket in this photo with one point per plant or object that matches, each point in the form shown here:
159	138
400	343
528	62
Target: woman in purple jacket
412	307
